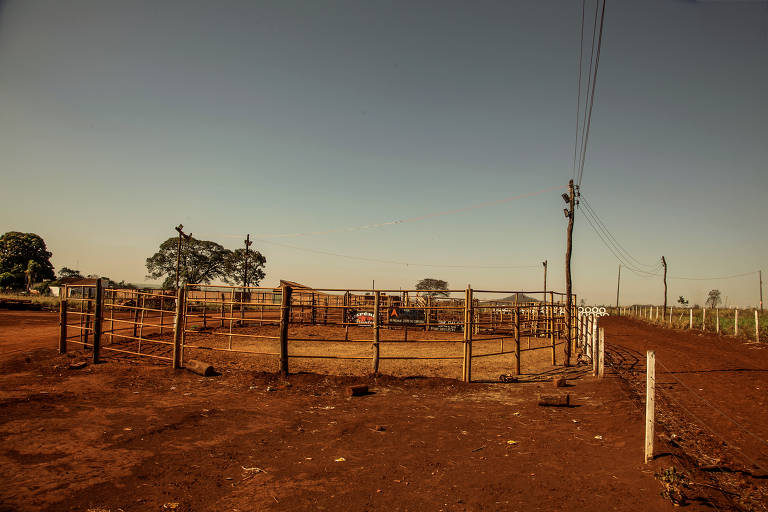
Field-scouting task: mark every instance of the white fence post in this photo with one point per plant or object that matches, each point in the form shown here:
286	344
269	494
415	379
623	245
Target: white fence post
703	319
690	323
736	322
650	402
601	356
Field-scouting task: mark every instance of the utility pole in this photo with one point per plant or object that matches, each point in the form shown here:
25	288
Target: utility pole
179	228
545	279
248	243
664	262
618	284
570	214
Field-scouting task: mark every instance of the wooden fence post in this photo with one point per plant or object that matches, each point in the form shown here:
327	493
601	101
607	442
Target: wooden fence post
703	319
375	346
97	314
735	322
595	343
517	340
690	322
717	320
552	331
63	320
285	312
601	355
757	327
178	328
650	402
467	366
221	312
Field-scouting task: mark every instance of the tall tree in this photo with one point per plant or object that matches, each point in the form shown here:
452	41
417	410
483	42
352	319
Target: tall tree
713	298
202	261
234	270
433	287
23	256
65	272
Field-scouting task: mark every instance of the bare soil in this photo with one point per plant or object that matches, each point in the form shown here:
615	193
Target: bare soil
127	435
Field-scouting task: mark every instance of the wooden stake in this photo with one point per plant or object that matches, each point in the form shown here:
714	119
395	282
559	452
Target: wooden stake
285	315
735	322
97	310
650	403
375	360
690	323
595	343
467	365
703	319
63	320
601	355
757	327
517	340
178	328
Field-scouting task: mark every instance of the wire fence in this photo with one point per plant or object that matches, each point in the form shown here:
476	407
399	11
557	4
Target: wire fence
748	324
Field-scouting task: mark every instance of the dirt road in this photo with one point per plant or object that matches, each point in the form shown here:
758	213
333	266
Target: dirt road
137	437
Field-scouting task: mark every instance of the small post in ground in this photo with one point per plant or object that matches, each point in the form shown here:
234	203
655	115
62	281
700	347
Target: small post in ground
650	402
757	327
601	355
285	312
63	320
735	322
97	321
178	328
375	346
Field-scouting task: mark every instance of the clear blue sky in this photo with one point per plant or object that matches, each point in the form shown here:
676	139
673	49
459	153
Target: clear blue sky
122	119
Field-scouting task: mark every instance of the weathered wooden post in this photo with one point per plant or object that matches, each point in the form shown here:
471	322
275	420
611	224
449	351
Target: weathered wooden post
717	320
221	311
162	311
703	319
736	322
650	402
517	340
97	310
690	322
285	315
595	342
757	327
375	346
178	328
467	366
601	355
63	320
552	331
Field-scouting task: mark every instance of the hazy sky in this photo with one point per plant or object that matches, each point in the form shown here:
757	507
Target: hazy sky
120	120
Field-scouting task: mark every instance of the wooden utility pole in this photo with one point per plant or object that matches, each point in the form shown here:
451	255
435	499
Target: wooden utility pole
570	214
178	250
664	262
544	263
618	285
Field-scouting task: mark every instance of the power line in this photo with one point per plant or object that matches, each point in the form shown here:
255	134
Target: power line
394	262
616	243
578	94
419	218
592	95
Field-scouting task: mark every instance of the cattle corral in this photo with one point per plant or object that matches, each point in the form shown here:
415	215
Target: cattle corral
467	334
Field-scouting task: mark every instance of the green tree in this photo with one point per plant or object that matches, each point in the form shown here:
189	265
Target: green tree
713	298
433	287
202	261
682	301
65	272
24	257
234	270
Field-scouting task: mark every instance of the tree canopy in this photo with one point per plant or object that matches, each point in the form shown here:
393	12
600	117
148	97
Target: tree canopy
65	272
24	259
235	267
433	287
713	298
203	261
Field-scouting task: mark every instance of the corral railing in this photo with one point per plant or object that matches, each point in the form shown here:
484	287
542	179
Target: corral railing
299	324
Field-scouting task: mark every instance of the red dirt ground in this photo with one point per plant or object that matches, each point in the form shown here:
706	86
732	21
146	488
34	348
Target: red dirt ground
127	436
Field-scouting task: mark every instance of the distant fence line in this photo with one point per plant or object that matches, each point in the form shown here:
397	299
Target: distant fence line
744	322
161	324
